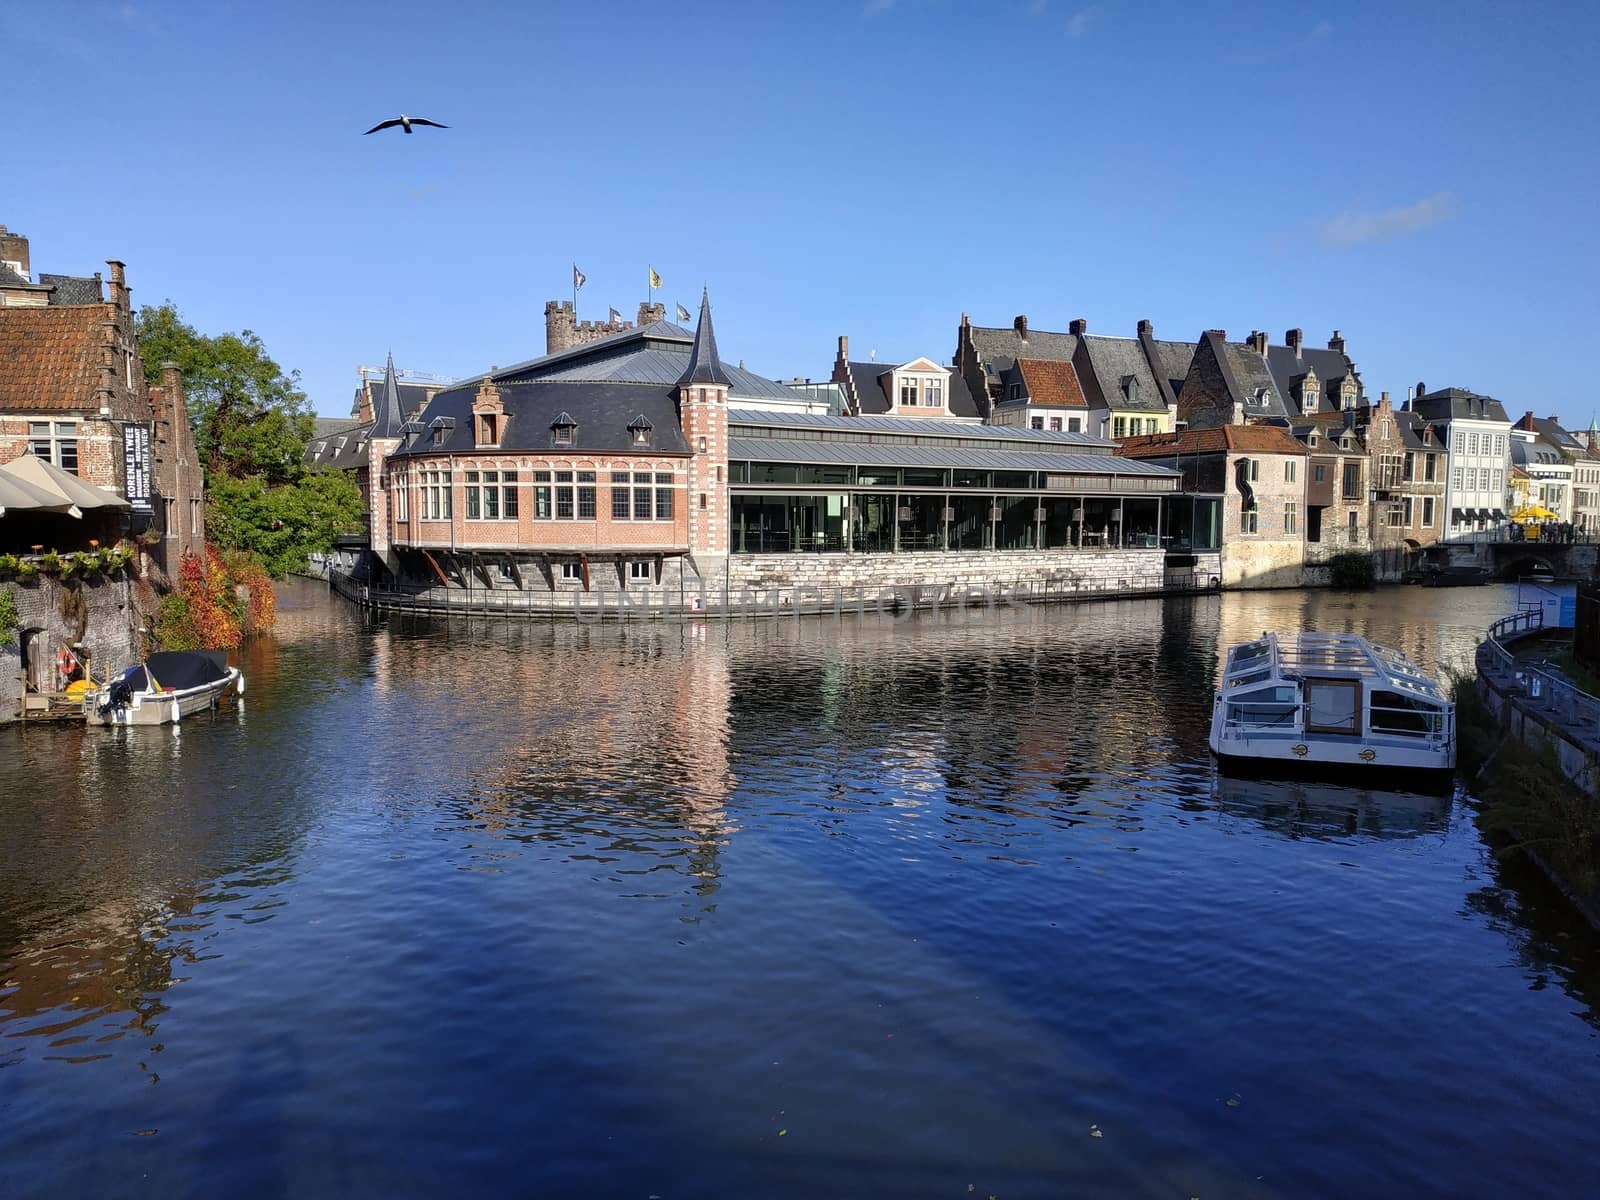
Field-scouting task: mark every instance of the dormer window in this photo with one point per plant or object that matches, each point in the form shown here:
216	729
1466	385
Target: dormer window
562	429
640	430
441	428
1016	391
1130	389
488	429
908	393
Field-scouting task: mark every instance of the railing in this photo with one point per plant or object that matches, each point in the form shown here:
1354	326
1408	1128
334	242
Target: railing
1549	691
723	599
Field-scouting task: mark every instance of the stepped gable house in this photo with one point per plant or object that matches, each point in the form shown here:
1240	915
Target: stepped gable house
72	384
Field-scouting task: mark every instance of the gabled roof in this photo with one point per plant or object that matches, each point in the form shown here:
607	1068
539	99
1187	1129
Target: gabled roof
1251	439
50	357
704	365
1003	346
1551	431
10	279
1172	360
1121	373
601	412
1050	383
73	289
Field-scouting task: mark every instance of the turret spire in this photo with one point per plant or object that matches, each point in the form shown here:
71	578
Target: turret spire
704	365
390	416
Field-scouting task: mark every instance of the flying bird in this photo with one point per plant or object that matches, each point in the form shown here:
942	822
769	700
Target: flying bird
405	123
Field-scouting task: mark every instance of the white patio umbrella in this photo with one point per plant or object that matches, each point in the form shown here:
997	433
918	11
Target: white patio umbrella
64	485
18	495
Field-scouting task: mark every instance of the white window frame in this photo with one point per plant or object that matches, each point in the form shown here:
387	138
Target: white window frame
641	570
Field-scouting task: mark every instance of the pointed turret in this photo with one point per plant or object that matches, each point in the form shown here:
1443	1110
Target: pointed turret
704	365
389	417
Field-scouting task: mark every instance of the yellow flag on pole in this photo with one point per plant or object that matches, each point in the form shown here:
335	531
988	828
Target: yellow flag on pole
655	280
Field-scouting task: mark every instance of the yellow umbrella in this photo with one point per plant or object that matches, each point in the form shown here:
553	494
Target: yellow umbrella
1532	512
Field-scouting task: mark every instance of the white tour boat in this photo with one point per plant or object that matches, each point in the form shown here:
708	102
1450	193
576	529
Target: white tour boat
1328	704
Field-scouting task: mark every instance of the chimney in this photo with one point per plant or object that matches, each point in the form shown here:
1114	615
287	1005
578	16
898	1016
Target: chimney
1079	327
1220	334
119	284
1526	422
1238	413
1383	397
1336	342
844	348
14	249
1172	415
1258	341
1021	326
1292	340
1146	329
171	378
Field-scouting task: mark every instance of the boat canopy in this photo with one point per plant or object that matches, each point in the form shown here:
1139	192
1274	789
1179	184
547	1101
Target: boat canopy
1293	657
178	670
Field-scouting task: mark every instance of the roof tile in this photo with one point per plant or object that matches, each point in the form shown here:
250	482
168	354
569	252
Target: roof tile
50	357
1051	383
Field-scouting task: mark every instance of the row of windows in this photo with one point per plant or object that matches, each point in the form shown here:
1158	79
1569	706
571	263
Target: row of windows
1250	518
1131	426
1476	479
1472	444
640	570
557	495
1074	424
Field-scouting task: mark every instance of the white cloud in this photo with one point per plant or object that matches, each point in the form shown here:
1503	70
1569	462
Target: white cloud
1353	228
1078	24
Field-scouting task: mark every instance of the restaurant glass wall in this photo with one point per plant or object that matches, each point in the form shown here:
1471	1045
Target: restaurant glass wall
872	523
1100	521
970	525
921	523
1018	528
1193	523
1141	522
777	524
1063	517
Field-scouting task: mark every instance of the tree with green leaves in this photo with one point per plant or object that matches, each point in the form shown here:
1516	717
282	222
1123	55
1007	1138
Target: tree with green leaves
251	424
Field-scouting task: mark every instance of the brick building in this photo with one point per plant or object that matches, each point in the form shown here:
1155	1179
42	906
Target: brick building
1255	477
73	391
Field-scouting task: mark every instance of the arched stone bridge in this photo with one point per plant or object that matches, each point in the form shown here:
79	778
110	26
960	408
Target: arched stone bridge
1514	560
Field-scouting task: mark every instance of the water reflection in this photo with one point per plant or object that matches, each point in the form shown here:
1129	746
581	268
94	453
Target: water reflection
932	894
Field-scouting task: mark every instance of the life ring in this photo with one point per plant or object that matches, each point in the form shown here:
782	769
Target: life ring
66	661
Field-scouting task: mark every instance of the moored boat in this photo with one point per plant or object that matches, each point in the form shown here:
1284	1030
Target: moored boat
1326	705
164	689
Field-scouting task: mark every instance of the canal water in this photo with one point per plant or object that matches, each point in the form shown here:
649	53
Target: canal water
952	905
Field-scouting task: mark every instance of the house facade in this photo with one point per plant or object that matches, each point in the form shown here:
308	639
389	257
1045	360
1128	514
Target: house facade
73	392
1478	434
920	388
1040	393
1254	480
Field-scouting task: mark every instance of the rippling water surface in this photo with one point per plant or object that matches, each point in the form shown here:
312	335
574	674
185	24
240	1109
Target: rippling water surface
863	907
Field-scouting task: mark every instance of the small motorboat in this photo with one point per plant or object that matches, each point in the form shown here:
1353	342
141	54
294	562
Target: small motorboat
164	689
1331	705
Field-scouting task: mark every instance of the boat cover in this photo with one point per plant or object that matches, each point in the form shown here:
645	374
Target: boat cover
180	669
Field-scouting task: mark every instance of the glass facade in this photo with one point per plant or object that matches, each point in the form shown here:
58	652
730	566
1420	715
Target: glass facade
923	509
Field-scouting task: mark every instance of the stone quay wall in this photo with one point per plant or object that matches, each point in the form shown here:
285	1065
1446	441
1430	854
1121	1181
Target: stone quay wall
103	629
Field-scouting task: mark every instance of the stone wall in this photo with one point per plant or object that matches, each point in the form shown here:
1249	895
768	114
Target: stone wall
966	568
105	632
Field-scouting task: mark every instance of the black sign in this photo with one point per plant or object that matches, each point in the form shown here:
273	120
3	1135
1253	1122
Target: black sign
136	457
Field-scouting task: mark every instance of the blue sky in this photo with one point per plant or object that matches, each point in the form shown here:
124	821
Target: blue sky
1423	180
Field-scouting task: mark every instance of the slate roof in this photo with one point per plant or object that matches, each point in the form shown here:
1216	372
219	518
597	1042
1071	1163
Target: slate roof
1250	439
388	413
73	289
1172	360
1534	454
1411	427
329	426
704	365
1119	366
1288	372
1049	383
602	412
50	357
1250	380
867	380
656	334
1447	404
654	365
1551	431
412	395
876	454
1001	347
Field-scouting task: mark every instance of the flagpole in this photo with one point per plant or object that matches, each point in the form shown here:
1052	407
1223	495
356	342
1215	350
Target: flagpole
574	291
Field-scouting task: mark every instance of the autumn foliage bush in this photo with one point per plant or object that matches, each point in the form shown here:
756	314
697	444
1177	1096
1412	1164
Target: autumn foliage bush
205	612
